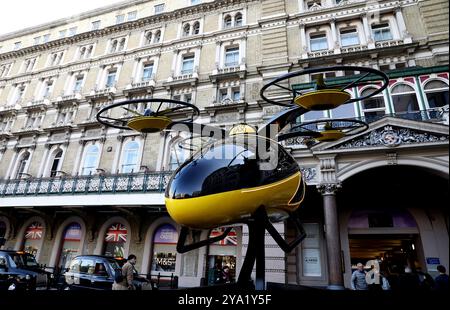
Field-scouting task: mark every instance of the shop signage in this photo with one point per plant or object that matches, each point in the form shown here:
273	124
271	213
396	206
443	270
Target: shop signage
433	261
166	234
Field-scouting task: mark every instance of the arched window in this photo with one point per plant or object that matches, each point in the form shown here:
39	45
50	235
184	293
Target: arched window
222	254
130	157
437	94
196	28
90	160
186	30
23	165
113	46
89	51
164	249
227	22
33	237
122	44
238	20
70	246
56	163
404	99
157	37
148	38
115	240
82	51
373	108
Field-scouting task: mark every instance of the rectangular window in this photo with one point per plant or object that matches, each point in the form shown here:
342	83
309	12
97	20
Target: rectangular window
349	37
318	42
120	19
188	65
223	94
381	32
195	2
72	31
46	38
188	98
47	89
132	15
62	33
78	84
17	45
236	95
111	79
311	256
159	8
96	25
232	57
37	40
147	72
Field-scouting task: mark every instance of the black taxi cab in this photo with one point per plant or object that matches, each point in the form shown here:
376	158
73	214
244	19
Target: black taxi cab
96	272
20	271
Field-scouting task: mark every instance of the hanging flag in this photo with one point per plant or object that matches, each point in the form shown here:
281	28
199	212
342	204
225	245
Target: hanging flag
34	231
116	233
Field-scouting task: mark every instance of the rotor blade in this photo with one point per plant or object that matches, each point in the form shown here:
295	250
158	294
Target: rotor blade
134	112
281	119
355	81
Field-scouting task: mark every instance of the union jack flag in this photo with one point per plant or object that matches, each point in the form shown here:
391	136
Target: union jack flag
116	233
34	231
231	239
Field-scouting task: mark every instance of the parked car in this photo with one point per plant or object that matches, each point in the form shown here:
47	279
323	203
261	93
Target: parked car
20	271
95	272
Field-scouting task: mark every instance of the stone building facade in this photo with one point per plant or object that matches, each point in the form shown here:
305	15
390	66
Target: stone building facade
70	186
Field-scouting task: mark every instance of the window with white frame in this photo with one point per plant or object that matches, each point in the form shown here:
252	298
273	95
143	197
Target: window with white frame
232	56
117	45
73	31
318	42
196	28
381	32
157	38
78	83
227	21
131	15
85	51
344	111
4	69
64	116
111	78
311	251
17	45
34	120
28	64
47	88
23	165
147	71
238	20
62	33
228	93
130	157
152	37
18	94
96	25
373	107
120	19
313	115
159	8
183	95
37	40
90	160
349	37
404	99
187	65
55	58
437	94
195	2
46	38
313	3
7	123
186	30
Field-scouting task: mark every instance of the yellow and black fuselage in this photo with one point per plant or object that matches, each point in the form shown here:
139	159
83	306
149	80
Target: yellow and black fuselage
227	181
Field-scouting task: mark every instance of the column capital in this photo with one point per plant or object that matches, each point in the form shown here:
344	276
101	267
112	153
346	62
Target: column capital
329	188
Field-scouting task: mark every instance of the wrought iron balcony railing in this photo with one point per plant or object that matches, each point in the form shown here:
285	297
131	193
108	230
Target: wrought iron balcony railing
155	182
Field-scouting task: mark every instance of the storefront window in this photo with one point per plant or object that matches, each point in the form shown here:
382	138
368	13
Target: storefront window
70	244
222	258
33	237
164	249
115	240
311	260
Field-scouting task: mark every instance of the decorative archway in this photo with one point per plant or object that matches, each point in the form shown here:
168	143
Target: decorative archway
114	237
31	236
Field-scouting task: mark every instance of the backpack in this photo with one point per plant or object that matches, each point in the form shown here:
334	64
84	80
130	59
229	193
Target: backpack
118	276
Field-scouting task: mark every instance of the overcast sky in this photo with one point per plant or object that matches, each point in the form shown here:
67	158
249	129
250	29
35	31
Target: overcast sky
20	14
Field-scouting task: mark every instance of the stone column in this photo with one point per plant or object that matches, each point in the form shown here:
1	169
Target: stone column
333	242
304	43
334	37
367	31
402	26
301	6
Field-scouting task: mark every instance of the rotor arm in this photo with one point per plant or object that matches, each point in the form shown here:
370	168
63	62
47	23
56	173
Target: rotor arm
182	247
283	244
281	119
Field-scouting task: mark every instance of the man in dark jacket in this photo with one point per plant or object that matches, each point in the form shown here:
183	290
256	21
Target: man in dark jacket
441	281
